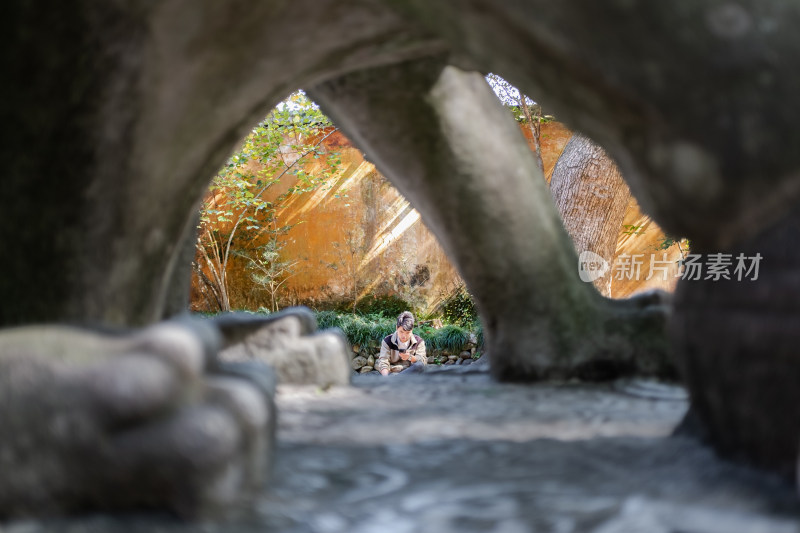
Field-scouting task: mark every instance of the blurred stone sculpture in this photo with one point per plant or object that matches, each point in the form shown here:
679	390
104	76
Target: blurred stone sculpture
130	421
287	343
116	114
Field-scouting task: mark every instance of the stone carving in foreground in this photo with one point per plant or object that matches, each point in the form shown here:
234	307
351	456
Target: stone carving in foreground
149	419
285	342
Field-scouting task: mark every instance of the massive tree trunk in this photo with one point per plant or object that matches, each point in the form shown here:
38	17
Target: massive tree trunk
137	106
697	119
443	139
591	198
737	345
704	125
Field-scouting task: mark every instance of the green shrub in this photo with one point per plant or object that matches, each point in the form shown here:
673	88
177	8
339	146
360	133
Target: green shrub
360	330
367	331
327	319
459	308
450	338
388	306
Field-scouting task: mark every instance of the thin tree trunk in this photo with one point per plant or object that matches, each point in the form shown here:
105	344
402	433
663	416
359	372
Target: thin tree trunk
206	286
535	129
217	271
591	198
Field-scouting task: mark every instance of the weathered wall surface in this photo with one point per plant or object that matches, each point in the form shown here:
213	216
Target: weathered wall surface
641	263
353	237
357	236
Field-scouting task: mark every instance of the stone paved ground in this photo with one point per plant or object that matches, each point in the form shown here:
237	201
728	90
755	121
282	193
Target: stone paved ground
449	452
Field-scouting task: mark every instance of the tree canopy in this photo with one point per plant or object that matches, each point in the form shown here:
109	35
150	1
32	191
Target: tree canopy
239	218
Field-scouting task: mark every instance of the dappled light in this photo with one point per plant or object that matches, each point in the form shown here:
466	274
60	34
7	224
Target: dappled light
387	238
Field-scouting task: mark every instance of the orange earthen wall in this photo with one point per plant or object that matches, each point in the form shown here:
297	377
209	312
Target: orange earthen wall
358	228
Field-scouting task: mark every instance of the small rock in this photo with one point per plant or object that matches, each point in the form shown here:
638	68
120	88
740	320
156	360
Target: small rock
473	339
358	362
466	361
452	357
466	354
449	362
356	348
365	369
459	361
371	360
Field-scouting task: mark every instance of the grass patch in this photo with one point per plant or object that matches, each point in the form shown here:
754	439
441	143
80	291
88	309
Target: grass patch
360	330
450	338
367	331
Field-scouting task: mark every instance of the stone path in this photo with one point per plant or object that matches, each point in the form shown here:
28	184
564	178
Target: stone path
455	452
